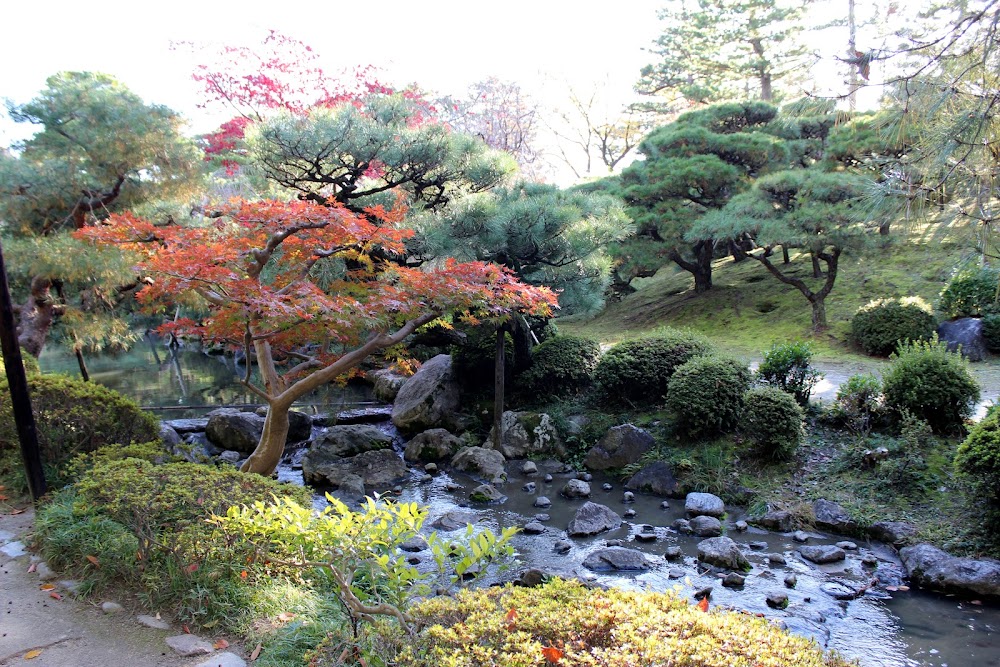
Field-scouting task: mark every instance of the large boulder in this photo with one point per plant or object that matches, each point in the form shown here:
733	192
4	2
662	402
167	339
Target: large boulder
230	428
930	567
896	533
722	552
487	464
429	399
386	384
831	516
616	558
698	504
780	520
619	447
528	435
656	478
592	519
965	333
436	444
378	469
343	441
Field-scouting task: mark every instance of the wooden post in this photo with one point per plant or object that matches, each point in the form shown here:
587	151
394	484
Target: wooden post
499	366
18	383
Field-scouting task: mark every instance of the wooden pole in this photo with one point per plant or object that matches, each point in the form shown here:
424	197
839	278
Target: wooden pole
18	383
499	366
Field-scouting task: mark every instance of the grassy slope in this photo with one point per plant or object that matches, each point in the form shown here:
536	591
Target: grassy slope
747	309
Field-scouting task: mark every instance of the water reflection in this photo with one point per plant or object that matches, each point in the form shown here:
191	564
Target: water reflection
185	382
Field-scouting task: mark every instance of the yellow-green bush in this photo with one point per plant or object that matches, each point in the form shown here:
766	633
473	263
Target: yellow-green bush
510	627
29	361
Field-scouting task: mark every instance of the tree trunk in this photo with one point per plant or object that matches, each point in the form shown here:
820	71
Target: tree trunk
701	267
818	312
784	255
499	364
37	315
267	455
82	363
817	271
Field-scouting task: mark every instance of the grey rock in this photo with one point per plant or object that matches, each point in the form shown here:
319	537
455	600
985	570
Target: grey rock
697	504
965	333
428	399
542	502
529	468
226	659
299	425
800	536
676	573
606	487
71	586
616	559
528	434
824	553
454	520
386	384
673	553
14	549
741	526
575	488
350	440
683	526
379	469
231	456
758	546
152	622
892	532
414	544
664	505
869	560
776	600
847	546
230	428
585	476
530	487
183	426
628	497
706	526
791	580
533	528
541	516
169	436
486	464
838	591
776	559
780	521
592	519
705	592
431	468
645	533
436	444
734	580
189	645
656	478
562	547
619	447
369	415
351	486
614	543
831	516
547	479
722	552
629	513
532	577
486	493
933	568
111	608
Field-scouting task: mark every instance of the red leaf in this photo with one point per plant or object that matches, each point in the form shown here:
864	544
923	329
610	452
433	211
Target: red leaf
32	567
703	605
191	568
94	560
511	620
256	652
55	596
552	654
220	644
186	629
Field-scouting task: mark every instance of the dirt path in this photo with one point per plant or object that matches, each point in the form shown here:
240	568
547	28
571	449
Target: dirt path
39	629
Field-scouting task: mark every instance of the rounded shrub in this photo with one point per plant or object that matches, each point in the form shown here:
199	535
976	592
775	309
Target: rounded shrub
638	372
74	417
593	626
786	367
978	458
880	326
561	366
931	383
772	422
705	395
859	401
991	331
971	293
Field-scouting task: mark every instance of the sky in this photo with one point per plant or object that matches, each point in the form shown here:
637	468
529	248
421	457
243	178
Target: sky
443	45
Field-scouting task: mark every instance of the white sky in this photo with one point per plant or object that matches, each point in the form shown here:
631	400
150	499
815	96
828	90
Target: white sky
442	45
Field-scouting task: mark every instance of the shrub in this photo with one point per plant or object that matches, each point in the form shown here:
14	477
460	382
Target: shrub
859	400
970	293
879	326
930	382
474	362
73	417
772	422
978	458
561	366
705	395
786	367
991	331
638	372
592	626
30	364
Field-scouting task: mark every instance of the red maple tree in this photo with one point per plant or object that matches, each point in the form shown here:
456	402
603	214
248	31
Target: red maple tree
257	268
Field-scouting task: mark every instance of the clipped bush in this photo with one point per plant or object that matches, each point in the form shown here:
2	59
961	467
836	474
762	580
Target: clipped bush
638	372
568	623
978	458
859	400
772	422
706	394
30	364
971	293
991	331
880	326
931	383
74	417
786	367
561	366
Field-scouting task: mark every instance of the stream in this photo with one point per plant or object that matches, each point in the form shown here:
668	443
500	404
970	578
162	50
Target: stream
884	627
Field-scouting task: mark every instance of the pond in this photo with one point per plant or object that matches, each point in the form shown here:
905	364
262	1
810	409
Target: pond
880	629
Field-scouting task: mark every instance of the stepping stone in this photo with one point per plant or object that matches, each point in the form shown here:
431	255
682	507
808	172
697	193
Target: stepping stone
14	549
112	608
153	622
226	659
188	645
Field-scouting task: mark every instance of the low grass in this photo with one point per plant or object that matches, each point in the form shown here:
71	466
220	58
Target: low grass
748	310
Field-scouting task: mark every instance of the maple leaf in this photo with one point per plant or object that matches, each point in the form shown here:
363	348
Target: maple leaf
552	654
703	604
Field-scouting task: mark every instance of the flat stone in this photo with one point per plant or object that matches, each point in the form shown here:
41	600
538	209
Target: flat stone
414	544
542	516
776	559
454	520
562	547
152	622
733	580
675	573
672	553
112	608
616	558
847	546
533	528
226	659
800	536
758	546
6	536
838	591
542	502
14	549
823	554
592	519
189	645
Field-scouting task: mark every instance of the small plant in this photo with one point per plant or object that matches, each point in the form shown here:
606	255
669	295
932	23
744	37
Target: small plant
880	326
991	331
786	367
637	372
561	366
705	396
772	422
859	400
30	364
928	381
971	293
978	458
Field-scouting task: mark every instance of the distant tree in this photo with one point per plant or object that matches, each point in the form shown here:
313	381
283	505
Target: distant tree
99	149
274	277
720	50
690	167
